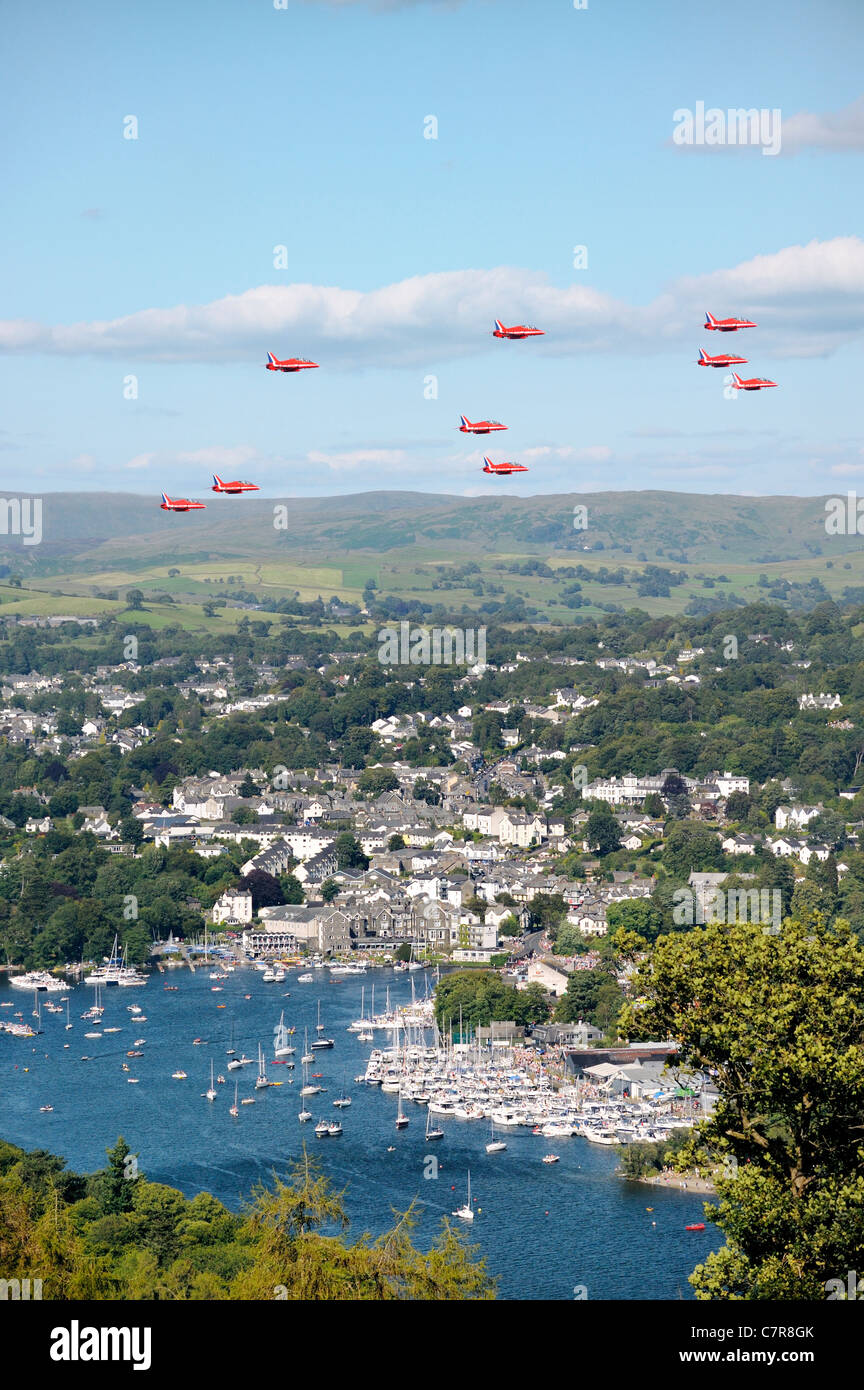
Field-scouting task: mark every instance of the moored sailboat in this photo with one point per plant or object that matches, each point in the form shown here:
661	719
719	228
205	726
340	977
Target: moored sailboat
466	1212
432	1131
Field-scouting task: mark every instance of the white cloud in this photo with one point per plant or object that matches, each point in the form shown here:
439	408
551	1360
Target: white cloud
808	300
594	453
140	461
385	459
829	130
219	457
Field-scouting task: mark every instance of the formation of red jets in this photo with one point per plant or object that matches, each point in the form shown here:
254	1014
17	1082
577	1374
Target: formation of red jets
506	467
300	364
728	359
183	504
514	333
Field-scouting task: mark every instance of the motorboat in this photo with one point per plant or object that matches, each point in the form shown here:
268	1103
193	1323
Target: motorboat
40	980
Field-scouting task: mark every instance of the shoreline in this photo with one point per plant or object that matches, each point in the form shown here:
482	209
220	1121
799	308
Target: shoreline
681	1182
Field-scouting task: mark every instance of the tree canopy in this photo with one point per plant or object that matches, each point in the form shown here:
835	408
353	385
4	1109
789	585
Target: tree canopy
117	1235
776	1019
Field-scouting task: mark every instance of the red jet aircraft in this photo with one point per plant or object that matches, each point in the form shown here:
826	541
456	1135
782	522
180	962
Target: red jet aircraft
290	364
179	504
479	426
519	330
490	467
728	325
723	359
232	488
753	383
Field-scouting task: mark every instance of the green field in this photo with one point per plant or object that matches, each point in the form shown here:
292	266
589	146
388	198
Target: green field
404	575
404	541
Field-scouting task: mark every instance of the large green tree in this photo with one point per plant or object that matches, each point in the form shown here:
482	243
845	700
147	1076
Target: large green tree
776	1019
602	831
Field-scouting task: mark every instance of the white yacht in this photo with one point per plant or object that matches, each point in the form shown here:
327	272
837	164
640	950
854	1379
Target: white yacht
261	1079
282	1039
495	1146
433	1131
466	1212
40	980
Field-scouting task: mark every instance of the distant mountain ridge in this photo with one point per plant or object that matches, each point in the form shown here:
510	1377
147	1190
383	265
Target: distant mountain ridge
98	530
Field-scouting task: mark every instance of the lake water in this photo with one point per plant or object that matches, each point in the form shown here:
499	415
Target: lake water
543	1229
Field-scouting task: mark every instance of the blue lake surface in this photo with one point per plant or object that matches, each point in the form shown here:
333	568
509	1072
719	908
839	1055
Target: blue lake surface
544	1230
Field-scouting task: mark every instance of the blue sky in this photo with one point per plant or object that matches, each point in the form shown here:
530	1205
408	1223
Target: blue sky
303	127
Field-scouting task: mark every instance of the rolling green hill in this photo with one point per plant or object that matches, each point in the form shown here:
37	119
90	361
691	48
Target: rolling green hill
99	531
726	550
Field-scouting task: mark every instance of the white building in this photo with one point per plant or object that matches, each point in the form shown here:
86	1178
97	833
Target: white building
794	817
729	782
820	701
522	830
555	981
235	905
486	820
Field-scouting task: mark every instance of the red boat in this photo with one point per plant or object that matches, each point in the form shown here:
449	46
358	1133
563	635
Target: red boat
698	1226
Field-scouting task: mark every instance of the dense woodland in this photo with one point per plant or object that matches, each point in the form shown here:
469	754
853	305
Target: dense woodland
116	1235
